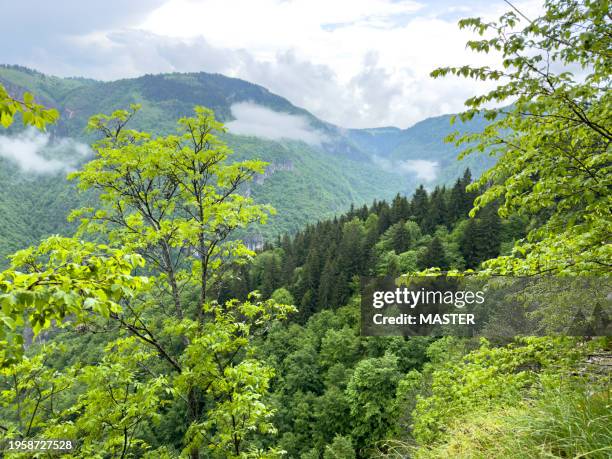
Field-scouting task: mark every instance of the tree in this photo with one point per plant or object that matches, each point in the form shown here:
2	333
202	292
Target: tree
341	448
419	205
461	201
282	296
400	237
437	211
170	197
434	256
553	142
370	392
110	415
351	256
400	208
174	201
481	239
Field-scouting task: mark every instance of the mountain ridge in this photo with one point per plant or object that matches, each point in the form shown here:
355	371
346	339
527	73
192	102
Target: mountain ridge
344	168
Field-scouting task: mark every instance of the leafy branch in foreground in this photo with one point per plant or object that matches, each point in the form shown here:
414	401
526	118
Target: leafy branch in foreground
553	141
33	114
62	278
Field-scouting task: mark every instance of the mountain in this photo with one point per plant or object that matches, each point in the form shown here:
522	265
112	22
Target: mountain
318	171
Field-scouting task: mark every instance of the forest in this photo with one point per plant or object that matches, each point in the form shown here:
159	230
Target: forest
153	331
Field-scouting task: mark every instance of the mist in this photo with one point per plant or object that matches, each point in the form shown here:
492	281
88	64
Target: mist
422	169
255	120
36	152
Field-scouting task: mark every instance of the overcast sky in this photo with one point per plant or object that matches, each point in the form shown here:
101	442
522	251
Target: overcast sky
355	63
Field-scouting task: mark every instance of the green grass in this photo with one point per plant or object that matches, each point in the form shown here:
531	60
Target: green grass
571	421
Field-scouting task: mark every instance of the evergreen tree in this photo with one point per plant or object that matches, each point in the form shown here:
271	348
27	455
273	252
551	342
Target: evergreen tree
351	257
400	238
434	256
481	239
384	218
400	209
437	211
328	287
419	205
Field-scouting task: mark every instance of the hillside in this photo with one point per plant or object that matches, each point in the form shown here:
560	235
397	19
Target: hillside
307	179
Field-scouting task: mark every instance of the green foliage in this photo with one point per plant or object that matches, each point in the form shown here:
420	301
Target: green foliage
487	377
282	296
170	201
197	367
331	383
237	386
570	419
29	389
481	237
320	265
115	404
553	142
434	256
32	114
341	448
61	278
370	393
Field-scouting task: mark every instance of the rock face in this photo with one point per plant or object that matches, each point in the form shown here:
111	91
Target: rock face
273	168
254	242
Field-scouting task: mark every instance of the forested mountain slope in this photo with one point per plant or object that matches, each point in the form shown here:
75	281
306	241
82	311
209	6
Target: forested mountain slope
306	180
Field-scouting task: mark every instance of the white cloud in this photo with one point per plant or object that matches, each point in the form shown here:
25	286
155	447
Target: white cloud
421	169
254	120
355	63
35	152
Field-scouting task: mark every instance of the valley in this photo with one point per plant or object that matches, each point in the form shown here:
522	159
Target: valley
318	171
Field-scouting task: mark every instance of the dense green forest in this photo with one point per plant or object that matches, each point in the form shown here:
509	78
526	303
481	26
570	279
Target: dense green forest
317	267
154	331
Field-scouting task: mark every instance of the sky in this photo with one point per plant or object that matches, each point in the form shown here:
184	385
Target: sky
354	63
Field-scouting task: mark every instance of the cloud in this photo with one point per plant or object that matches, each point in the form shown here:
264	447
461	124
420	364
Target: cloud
37	153
421	169
254	120
355	63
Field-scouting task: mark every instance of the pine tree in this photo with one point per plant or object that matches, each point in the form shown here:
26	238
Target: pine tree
481	239
491	232
400	238
461	201
328	286
437	211
434	256
351	257
400	209
419	205
456	202
384	218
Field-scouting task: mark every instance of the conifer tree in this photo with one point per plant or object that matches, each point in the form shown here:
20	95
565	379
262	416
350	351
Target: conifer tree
400	238
434	256
400	209
437	211
419	205
481	239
